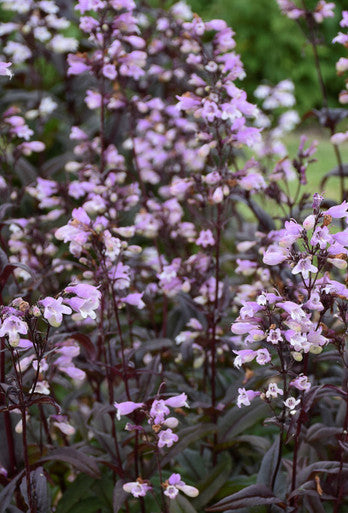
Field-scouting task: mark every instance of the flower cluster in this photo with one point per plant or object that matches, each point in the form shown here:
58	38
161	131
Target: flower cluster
321	11
157	417
146	206
290	325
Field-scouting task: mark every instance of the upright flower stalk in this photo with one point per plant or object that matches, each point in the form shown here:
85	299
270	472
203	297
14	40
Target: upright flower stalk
163	209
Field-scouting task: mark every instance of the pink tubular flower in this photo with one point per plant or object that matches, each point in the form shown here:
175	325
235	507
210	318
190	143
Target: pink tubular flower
109	71
188	101
289	8
245	397
205	239
246	267
29	147
54	310
344	21
174	484
291	403
12	326
338	211
322	237
323	10
304	266
93	99
243	356
77	65
4	69
178	401
301	383
167	438
273	391
274	336
242	328
158	411
137	488
134	299
263	356
87	300
339	138
78	134
275	255
126	408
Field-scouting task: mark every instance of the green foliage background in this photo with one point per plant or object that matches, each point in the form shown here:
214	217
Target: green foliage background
273	47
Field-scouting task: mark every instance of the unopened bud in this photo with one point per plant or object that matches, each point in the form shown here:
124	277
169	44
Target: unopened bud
171	422
309	222
315	349
297	356
338	262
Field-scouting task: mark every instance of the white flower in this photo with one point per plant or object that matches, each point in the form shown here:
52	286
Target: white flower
273	391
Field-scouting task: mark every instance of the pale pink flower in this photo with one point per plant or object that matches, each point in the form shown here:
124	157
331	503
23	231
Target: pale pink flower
54	310
126	408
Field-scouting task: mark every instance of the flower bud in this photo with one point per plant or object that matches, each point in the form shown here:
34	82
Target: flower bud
338	262
315	349
297	356
134	249
191	491
218	195
171	422
186	286
36	312
309	222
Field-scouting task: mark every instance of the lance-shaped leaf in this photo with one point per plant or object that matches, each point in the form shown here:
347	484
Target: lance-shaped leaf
237	420
80	488
7	493
330	467
254	495
269	465
39	490
76	458
186	437
181	505
214	481
119	496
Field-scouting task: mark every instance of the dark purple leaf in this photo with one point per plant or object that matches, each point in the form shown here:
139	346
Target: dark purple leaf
119	496
254	495
7	493
76	458
86	343
320	431
330	467
39	490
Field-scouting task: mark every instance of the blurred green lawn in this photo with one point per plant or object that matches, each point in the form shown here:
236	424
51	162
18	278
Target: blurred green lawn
326	161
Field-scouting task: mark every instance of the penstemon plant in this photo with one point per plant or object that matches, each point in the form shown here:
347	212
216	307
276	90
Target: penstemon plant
148	209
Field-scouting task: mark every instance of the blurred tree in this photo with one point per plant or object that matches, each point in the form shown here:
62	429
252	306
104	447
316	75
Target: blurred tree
274	48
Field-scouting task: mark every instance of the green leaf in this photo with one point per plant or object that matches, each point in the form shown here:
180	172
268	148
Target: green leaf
186	437
214	482
254	495
74	457
237	420
89	505
194	464
77	490
181	505
336	171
